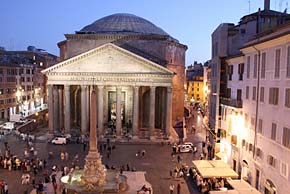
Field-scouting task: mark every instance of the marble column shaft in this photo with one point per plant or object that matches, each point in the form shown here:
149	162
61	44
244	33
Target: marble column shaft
84	110
152	110
100	109
118	111
55	108
67	119
60	106
136	111
50	110
168	110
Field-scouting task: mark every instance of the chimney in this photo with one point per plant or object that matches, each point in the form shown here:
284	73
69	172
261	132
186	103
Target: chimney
266	4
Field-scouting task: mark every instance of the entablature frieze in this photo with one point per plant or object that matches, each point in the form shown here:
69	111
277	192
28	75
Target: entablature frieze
109	79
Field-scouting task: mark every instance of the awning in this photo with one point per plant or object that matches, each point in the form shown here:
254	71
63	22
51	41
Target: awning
214	168
239	187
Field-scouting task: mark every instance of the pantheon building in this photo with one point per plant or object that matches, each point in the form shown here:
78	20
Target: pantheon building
136	69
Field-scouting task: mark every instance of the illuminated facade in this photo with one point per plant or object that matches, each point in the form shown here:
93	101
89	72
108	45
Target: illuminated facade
195	83
137	70
22	85
255	122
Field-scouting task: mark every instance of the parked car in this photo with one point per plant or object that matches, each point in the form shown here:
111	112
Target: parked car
184	148
8	126
187	147
59	140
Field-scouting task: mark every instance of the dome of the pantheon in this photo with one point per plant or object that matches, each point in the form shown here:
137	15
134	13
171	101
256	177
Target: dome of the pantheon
122	23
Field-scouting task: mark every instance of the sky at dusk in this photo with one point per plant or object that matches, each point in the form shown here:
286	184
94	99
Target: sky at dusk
43	23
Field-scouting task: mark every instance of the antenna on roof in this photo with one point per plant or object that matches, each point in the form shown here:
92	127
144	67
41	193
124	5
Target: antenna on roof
249	6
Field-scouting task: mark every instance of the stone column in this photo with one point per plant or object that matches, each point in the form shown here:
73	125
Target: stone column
118	111
168	110
56	108
67	122
136	111
60	112
84	110
152	110
100	110
75	105
88	93
50	110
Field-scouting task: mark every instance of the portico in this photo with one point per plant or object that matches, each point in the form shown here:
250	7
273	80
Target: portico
134	95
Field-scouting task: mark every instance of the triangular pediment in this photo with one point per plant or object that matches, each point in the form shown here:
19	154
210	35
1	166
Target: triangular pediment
108	58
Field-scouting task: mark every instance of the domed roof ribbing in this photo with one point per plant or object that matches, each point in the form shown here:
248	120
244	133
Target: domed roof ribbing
122	24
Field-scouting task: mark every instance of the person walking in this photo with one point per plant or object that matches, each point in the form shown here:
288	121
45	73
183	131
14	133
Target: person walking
178	188
171	188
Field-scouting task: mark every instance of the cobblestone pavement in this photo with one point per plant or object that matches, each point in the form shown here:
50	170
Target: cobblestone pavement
157	161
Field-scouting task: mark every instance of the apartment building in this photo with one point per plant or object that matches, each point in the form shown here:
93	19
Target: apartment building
227	39
22	85
195	83
256	139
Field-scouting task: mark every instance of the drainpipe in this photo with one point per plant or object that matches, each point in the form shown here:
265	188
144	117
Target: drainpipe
257	101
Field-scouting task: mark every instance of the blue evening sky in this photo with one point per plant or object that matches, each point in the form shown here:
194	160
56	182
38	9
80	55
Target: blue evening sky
42	23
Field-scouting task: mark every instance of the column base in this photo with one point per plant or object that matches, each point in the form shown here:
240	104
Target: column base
152	138
135	137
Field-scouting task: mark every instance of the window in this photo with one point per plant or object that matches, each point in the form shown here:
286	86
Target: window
247	92
277	63
260	126
273	131
271	160
28	79
27	71
251	147
248	66
246	120
1	91
1	71
262	91
230	71
273	96
255	66
254	93
263	66
241	71
239	94
252	122
243	143
287	97
234	139
288	62
259	153
284	169
286	137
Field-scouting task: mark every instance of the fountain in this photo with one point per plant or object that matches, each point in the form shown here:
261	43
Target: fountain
94	178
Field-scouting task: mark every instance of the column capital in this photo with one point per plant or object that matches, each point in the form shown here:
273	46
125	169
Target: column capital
119	87
100	86
83	87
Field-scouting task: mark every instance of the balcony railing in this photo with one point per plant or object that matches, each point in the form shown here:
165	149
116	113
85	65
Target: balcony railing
232	102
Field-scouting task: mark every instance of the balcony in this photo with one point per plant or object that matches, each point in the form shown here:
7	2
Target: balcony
232	102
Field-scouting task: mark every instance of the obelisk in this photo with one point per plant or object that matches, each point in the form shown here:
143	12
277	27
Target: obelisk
94	174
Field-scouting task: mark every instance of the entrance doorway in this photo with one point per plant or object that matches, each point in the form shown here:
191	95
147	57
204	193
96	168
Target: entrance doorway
112	105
